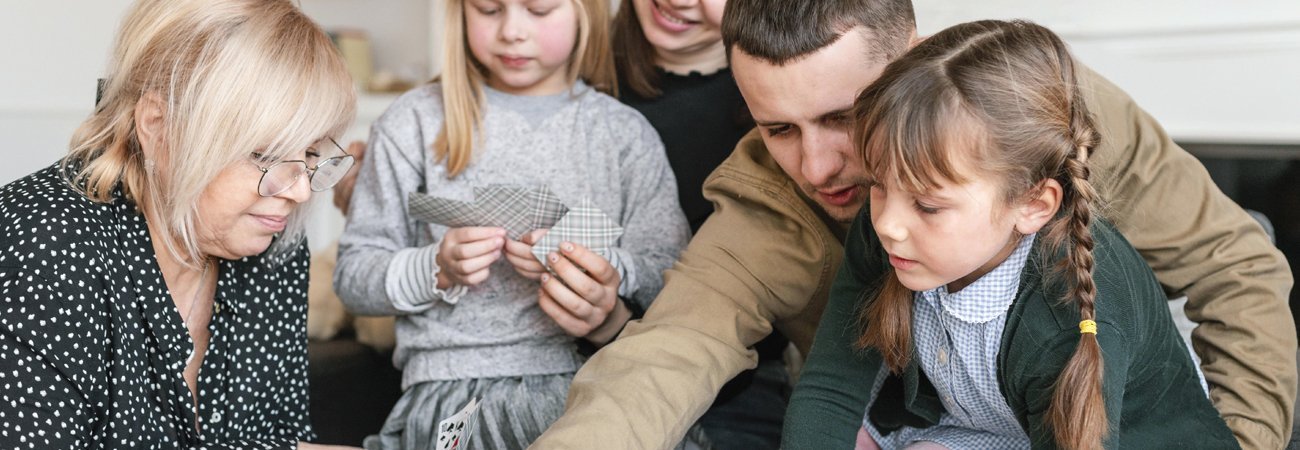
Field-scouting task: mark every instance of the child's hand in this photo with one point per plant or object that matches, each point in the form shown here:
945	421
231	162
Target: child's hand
584	304
520	254
465	254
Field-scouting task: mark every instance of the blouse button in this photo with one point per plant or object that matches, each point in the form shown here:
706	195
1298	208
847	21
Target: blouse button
943	356
216	417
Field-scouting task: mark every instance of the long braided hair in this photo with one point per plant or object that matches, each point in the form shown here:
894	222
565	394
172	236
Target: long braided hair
1016	83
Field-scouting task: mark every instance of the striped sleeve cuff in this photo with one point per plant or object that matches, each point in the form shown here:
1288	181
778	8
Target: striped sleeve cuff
412	280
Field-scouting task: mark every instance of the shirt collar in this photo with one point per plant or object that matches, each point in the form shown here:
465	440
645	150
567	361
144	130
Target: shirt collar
990	295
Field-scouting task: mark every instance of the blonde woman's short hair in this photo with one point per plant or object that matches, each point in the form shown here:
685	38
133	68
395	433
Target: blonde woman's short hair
232	77
462	77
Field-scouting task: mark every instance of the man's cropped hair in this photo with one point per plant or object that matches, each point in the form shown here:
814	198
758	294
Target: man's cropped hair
780	31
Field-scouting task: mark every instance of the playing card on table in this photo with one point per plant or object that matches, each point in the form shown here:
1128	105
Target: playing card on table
445	211
584	225
454	431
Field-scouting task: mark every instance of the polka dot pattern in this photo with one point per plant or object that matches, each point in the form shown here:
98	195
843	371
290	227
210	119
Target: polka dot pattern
92	348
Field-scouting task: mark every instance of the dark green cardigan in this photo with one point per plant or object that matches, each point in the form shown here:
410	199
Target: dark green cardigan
1153	396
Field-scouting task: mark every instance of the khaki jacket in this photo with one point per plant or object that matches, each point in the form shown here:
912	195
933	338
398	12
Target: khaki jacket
766	257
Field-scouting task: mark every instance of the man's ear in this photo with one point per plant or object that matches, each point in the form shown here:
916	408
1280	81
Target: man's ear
1040	207
150	124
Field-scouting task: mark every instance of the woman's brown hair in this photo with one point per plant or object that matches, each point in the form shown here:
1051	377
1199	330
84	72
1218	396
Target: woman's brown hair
634	57
1011	88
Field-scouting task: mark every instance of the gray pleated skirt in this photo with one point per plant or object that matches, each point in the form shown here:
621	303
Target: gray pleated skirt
512	413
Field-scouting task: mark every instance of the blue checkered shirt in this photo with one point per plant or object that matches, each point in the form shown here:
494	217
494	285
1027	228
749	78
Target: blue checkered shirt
957	338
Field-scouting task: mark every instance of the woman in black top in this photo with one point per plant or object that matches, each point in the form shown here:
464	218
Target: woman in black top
153	282
672	67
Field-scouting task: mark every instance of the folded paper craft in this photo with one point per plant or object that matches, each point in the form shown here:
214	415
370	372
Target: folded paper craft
518	209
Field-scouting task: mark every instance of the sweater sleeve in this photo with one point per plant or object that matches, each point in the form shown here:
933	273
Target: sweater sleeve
380	270
654	227
1201	244
828	404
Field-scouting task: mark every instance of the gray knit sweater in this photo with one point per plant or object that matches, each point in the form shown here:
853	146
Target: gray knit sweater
580	143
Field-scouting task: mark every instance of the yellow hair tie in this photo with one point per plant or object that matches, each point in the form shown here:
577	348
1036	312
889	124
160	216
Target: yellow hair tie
1087	326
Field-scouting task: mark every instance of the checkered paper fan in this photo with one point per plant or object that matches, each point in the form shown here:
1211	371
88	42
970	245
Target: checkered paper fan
444	211
518	209
584	225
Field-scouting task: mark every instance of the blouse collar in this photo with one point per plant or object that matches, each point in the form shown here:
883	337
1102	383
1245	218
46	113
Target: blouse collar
989	296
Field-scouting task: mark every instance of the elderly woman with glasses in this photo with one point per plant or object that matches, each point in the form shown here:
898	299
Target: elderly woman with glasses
153	282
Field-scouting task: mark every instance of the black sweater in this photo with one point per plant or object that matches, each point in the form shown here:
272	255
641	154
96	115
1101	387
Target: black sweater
700	118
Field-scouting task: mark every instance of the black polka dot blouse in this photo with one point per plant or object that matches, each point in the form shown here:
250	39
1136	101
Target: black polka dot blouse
92	348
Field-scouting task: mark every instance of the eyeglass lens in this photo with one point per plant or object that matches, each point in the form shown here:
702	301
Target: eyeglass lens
329	172
281	176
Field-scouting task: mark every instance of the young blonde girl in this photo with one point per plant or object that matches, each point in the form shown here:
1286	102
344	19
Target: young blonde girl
991	308
522	101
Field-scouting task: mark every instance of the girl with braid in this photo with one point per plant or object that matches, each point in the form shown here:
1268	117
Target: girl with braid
983	302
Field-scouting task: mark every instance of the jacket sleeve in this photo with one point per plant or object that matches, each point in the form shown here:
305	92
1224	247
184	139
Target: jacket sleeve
1201	244
827	407
758	259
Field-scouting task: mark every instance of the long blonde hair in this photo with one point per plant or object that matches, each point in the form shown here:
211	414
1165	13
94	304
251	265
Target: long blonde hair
462	77
1015	84
232	77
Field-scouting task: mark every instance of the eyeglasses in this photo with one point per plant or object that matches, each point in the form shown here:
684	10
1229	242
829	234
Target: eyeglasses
281	176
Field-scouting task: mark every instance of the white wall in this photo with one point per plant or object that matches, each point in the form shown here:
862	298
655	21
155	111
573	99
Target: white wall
1210	71
51	58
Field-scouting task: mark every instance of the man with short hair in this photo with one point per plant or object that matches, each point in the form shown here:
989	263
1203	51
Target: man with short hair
766	257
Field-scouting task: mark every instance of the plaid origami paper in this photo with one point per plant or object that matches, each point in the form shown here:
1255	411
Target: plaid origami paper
518	209
584	225
546	207
444	211
506	207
